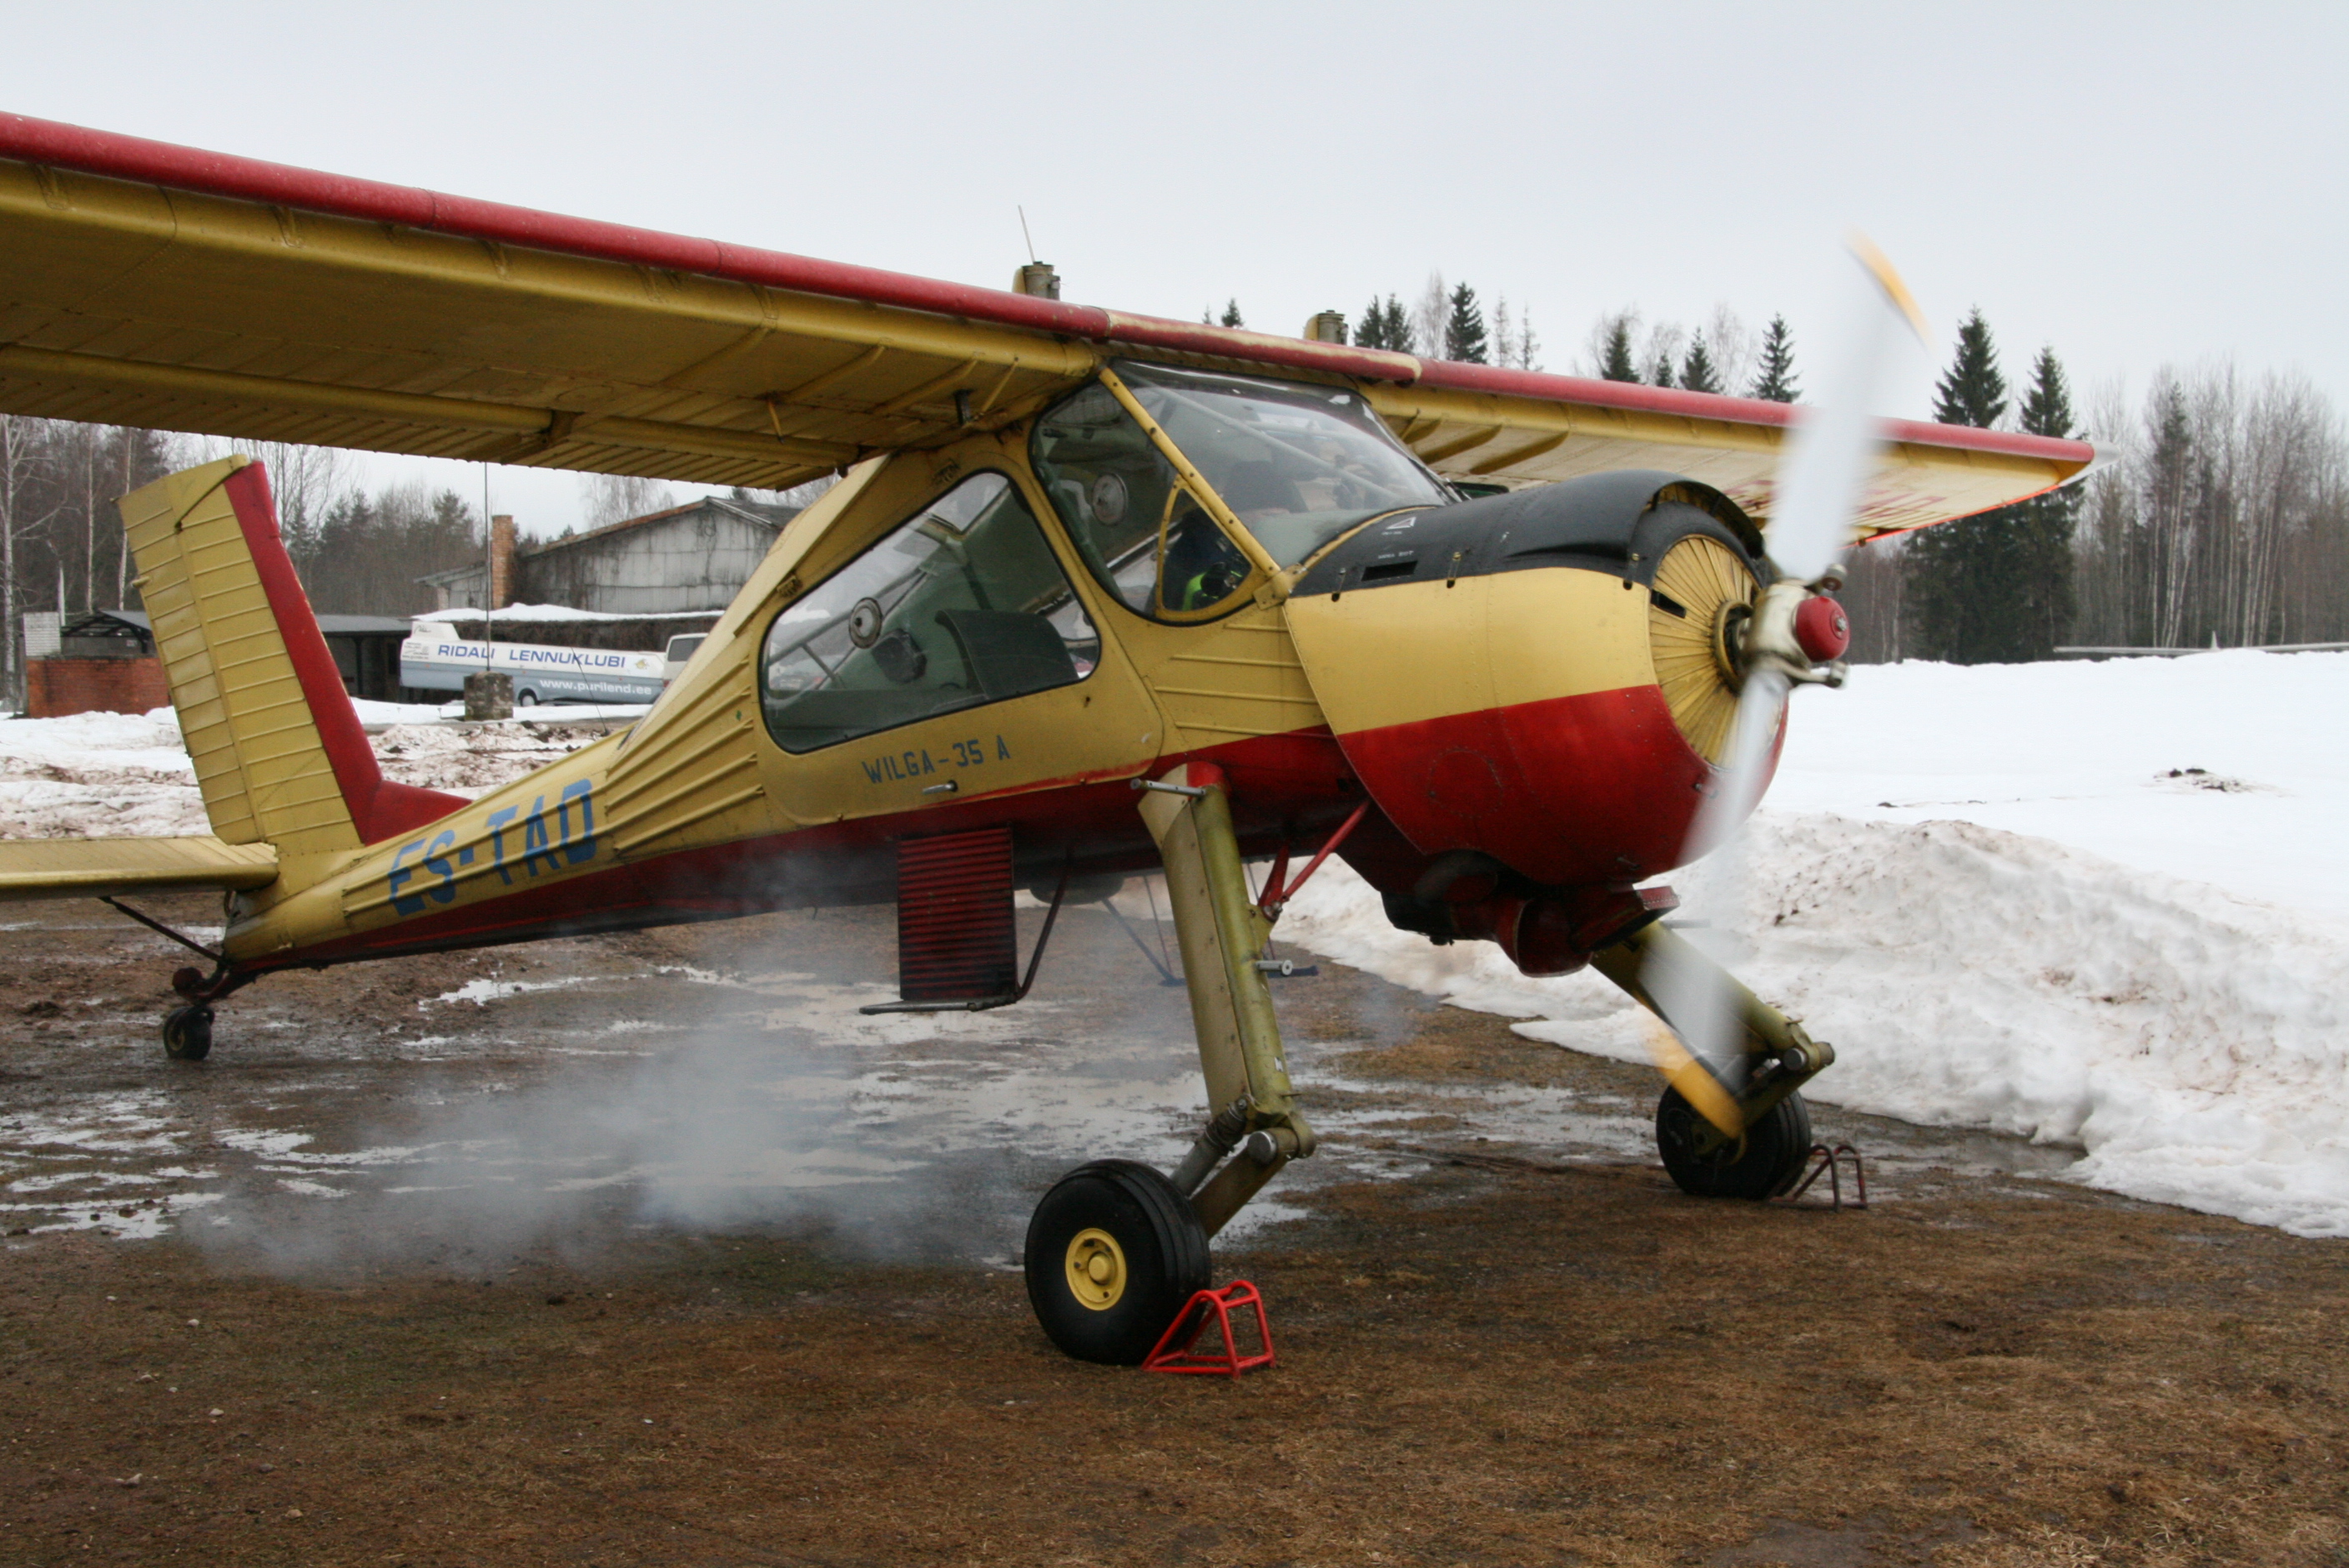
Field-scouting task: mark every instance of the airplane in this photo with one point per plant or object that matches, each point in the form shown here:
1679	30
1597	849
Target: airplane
1096	595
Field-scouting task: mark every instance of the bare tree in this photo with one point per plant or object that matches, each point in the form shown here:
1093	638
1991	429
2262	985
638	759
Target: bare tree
2225	524
1428	318
607	499
1660	356
1732	345
20	445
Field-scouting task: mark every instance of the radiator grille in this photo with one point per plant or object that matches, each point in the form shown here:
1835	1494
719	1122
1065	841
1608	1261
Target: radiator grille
955	939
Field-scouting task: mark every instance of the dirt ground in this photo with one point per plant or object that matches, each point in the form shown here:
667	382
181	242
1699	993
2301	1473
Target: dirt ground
248	1316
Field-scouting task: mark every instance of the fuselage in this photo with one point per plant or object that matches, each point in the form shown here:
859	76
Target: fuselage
1498	678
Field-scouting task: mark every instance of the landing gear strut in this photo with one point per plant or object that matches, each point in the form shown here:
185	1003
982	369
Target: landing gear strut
1115	1249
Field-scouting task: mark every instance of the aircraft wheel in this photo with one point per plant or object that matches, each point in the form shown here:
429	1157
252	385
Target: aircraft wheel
188	1033
1113	1252
1766	1164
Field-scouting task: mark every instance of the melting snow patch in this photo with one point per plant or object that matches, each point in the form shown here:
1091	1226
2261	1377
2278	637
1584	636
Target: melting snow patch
481	993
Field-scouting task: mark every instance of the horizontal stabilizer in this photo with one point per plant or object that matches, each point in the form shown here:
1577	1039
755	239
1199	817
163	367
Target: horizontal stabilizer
93	867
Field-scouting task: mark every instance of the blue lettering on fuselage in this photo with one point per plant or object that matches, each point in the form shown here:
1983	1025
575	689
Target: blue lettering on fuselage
564	837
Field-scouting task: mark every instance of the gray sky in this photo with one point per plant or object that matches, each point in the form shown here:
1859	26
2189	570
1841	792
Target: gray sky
2136	185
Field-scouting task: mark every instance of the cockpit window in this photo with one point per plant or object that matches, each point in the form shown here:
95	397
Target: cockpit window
1147	537
1298	464
962	604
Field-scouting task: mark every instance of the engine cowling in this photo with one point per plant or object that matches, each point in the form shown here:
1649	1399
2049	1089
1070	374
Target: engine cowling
1545	679
1535	689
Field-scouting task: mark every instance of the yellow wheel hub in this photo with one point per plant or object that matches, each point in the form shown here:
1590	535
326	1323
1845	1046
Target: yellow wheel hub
1096	1269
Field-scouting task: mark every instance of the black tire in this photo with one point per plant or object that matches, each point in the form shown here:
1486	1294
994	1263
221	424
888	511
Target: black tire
1763	1165
188	1033
1134	1237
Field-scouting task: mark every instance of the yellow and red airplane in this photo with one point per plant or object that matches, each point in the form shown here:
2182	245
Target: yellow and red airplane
1097	594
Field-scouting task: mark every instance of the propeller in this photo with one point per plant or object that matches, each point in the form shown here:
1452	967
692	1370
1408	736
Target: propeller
1793	638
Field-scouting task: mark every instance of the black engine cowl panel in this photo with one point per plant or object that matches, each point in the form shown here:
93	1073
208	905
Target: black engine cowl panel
1603	523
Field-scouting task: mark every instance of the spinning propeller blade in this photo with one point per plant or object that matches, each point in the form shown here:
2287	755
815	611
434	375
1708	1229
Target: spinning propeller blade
1823	480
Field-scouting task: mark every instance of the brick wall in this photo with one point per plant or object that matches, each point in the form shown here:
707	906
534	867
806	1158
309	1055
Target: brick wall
54	688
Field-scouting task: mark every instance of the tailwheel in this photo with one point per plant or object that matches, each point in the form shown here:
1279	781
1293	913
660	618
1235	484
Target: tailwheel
1762	1164
1113	1252
188	1033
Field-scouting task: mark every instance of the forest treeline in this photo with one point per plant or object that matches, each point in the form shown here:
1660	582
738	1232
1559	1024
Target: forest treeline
62	549
2224	521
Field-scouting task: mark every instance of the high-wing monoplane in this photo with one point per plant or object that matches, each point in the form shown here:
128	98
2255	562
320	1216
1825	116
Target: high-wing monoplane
1096	595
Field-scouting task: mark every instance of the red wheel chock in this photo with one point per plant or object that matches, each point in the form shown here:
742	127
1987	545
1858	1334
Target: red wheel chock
1174	1352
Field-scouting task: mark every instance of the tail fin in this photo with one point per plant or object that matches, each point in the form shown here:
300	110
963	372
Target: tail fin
279	754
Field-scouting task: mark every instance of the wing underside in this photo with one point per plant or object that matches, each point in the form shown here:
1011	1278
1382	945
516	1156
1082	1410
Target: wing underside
142	283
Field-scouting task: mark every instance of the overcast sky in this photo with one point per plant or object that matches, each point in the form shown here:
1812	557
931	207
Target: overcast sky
2135	185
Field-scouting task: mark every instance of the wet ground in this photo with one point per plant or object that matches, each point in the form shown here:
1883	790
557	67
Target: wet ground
651	1249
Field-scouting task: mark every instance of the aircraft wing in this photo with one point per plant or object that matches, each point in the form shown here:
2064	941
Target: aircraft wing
92	868
145	284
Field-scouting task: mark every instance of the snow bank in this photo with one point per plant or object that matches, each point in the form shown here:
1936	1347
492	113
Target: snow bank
111	775
97	775
2167	988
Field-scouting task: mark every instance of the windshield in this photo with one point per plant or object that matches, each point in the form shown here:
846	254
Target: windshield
1298	464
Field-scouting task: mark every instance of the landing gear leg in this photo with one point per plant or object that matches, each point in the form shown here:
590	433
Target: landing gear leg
1742	1131
1115	1249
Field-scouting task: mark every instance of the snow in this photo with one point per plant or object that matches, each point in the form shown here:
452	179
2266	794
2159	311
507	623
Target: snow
1985	887
2082	753
2000	891
108	775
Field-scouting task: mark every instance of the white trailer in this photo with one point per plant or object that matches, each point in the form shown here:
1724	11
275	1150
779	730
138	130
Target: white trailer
435	658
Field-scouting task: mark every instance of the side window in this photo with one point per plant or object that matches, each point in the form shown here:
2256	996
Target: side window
1144	535
962	604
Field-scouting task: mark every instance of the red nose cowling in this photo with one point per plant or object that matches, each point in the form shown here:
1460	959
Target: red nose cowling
1822	629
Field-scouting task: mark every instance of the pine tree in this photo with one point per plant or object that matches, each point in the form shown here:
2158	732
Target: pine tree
1971	392
1696	369
1463	329
1384	325
1965	589
1660	374
1774	381
1616	365
1232	313
2044	524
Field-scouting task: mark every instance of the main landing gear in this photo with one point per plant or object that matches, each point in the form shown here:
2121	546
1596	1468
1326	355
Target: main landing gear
1115	1249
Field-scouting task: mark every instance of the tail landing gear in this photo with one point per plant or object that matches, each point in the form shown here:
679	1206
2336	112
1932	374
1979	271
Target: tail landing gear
188	1033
